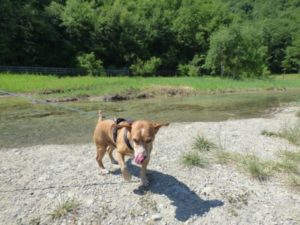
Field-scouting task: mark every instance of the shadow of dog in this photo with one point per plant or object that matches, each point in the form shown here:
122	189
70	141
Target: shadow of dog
186	201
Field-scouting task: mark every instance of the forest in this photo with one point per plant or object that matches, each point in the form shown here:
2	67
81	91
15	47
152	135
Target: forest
230	38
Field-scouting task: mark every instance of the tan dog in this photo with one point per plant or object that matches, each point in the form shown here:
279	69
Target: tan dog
130	139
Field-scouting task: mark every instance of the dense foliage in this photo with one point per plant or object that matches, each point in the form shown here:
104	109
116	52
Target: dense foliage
224	37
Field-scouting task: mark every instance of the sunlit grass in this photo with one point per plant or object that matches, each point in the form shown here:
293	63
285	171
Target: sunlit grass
294	182
88	85
64	207
292	134
257	168
268	133
202	144
194	159
206	152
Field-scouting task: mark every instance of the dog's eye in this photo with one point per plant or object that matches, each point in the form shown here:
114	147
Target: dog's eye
135	140
148	141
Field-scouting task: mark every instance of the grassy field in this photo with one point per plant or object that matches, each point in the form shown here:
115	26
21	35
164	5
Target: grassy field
95	86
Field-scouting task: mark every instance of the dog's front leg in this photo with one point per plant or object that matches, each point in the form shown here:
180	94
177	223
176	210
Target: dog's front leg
121	161
144	179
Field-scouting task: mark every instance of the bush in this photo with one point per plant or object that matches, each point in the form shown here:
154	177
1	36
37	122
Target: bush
193	68
90	64
187	70
146	68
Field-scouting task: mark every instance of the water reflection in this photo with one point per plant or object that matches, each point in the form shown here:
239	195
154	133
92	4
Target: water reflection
24	123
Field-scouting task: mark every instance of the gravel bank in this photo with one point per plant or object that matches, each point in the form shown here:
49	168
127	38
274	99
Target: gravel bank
34	180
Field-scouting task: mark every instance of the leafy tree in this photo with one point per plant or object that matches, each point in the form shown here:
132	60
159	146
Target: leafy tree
291	62
236	37
237	51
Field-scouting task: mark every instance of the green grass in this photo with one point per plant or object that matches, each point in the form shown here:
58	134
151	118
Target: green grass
35	221
95	86
292	134
64	207
268	133
206	152
194	159
289	162
295	156
201	144
256	167
224	157
294	182
250	164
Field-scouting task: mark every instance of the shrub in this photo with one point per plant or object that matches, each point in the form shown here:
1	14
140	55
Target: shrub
90	64
187	70
193	68
146	68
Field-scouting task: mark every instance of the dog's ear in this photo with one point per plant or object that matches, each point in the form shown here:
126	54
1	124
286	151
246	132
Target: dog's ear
126	125
159	125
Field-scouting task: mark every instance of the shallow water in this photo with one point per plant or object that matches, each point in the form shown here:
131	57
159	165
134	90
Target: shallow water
24	122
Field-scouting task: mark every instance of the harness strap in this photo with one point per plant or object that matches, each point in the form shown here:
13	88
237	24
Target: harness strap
115	132
127	140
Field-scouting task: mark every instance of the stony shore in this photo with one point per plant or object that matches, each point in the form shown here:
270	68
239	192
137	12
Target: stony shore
34	180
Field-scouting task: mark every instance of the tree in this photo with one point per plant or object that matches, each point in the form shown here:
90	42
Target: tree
291	62
237	51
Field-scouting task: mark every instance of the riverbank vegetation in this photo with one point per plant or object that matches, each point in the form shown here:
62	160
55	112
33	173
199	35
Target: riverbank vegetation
193	37
96	86
258	168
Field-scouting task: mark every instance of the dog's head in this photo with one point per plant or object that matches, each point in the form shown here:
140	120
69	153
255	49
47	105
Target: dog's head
142	135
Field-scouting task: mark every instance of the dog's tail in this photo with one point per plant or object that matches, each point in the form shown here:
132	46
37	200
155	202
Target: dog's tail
101	117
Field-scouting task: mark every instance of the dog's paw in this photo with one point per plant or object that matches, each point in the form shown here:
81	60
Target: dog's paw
104	171
145	182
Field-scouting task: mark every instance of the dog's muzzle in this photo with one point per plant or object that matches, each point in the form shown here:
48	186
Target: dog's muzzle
140	158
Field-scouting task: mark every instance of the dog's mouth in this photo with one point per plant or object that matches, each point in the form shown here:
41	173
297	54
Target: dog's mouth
139	158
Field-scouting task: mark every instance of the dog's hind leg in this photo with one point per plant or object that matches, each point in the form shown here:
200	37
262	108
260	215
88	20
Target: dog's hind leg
110	150
101	150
